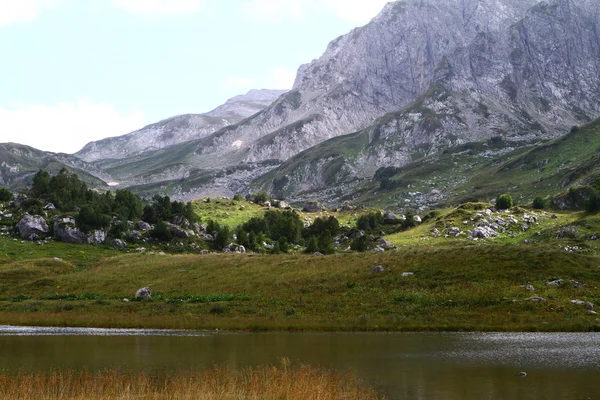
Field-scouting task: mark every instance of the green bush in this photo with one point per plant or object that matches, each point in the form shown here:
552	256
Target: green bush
161	232
361	243
5	194
89	219
539	203
238	197
592	204
504	202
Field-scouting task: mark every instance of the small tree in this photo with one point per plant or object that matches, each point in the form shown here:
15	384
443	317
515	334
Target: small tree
161	231
5	194
313	245
539	203
504	201
592	204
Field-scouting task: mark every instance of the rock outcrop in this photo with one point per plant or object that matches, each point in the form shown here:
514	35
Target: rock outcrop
32	226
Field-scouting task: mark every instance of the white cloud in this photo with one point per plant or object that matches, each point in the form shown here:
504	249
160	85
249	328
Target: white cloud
21	11
157	7
356	11
276	78
65	127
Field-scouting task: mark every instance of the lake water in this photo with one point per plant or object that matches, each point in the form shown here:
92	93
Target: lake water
402	365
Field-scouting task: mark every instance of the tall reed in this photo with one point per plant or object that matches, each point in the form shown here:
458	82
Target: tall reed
252	383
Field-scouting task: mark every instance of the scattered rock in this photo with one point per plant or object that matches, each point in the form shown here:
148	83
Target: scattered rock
556	282
118	244
143	293
484	232
454	231
523	374
589	306
49	207
407	274
125	300
144	226
32	224
590	312
390	216
66	231
317	254
96	237
536	299
530	288
135	235
379	249
312	207
417	219
576	284
378	269
578	302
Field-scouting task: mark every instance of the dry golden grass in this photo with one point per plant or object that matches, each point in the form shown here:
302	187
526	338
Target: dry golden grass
267	382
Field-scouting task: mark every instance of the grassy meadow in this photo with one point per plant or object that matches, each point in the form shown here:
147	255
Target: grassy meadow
453	287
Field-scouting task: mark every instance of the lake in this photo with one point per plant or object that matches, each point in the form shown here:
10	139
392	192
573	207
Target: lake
402	365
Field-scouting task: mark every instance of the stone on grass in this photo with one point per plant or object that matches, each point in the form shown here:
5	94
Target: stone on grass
118	244
589	306
530	288
377	270
407	274
556	282
536	299
32	224
143	293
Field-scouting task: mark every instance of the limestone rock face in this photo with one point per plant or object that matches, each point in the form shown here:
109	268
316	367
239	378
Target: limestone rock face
444	72
180	129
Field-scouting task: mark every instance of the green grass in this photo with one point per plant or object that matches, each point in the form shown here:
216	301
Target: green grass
455	287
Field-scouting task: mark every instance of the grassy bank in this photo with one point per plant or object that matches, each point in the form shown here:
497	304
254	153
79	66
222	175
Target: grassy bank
453	287
283	382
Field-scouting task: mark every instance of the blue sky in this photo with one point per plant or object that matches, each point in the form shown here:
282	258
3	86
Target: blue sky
73	71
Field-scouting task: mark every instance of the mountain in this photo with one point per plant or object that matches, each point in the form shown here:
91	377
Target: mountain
423	76
179	129
516	72
19	163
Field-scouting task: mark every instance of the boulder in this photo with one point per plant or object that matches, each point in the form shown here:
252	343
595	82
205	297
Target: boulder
390	216
530	288
312	207
454	231
589	306
144	226
377	270
379	249
317	254
66	231
49	207
180	221
178	232
484	232
143	293
96	237
32	224
135	235
556	282
384	243
417	219
118	244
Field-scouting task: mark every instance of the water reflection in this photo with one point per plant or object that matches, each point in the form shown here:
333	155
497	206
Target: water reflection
405	366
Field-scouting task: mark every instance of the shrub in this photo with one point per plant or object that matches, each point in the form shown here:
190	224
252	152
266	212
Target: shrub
361	243
592	204
5	194
238	197
260	197
539	203
161	232
504	202
89	219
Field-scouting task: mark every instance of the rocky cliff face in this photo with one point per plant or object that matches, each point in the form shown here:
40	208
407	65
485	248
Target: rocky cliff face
459	71
180	129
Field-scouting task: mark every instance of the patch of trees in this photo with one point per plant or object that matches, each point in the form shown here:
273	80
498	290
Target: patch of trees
5	194
592	204
384	176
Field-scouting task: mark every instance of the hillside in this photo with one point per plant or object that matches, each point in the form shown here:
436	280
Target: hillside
518	71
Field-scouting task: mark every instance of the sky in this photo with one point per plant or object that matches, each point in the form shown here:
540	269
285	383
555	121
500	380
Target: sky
74	71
